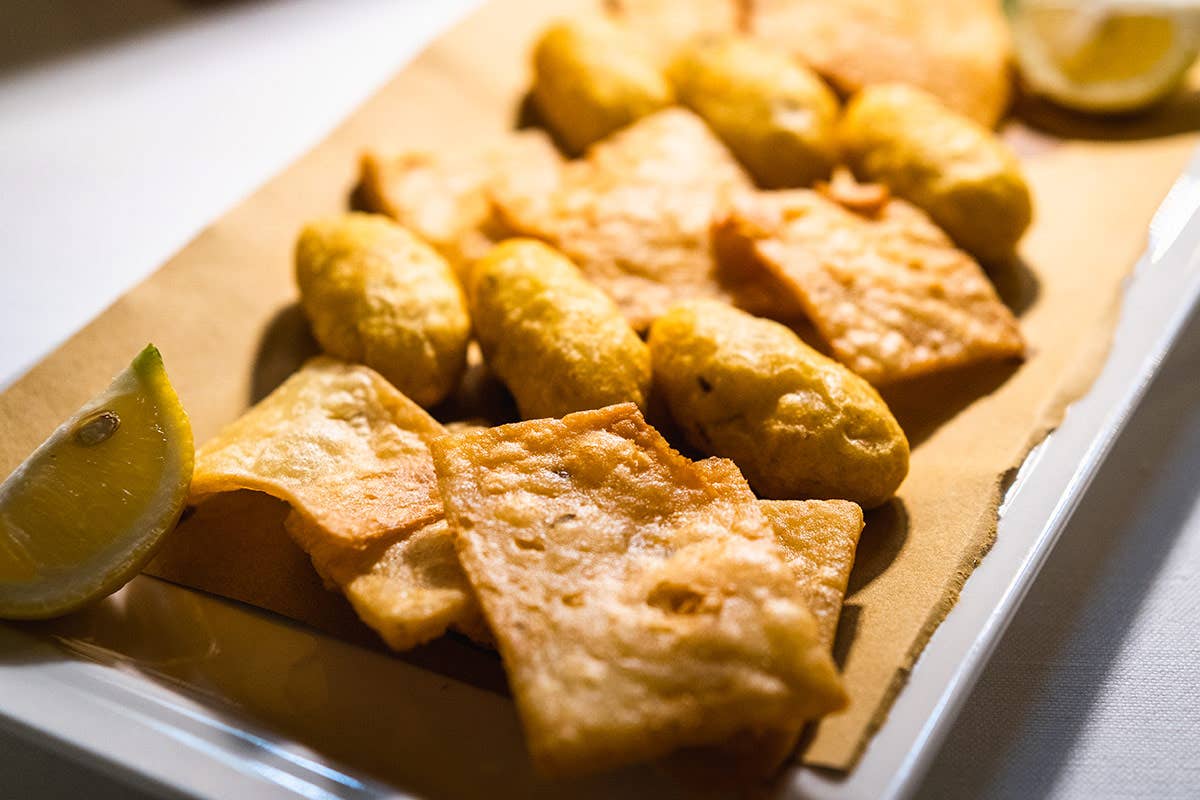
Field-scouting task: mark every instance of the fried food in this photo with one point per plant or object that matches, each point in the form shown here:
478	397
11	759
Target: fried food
559	343
670	24
637	609
591	78
820	538
634	214
797	424
408	587
774	113
890	293
350	455
955	170
443	198
376	294
958	50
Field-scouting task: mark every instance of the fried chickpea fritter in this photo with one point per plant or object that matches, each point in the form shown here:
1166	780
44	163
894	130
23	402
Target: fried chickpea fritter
376	294
559	343
775	114
957	171
592	78
798	424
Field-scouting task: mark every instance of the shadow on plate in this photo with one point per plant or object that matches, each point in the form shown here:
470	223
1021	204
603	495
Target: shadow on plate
955	390
881	541
1177	114
286	343
1017	284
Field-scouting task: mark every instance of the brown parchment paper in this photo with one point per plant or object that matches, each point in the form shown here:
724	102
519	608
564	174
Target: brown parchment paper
222	311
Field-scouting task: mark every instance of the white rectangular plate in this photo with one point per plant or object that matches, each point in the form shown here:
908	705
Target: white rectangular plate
159	684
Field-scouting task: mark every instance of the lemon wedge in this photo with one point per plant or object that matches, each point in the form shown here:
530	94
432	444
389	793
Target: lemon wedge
1104	56
87	509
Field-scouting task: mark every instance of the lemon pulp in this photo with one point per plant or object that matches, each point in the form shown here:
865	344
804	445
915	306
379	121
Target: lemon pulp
1104	55
83	514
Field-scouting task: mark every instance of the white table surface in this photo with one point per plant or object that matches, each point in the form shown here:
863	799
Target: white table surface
127	125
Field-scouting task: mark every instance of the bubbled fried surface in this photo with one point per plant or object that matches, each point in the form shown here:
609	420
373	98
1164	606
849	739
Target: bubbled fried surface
559	343
408	587
350	455
956	49
798	424
377	295
892	296
637	609
775	114
634	214
443	198
592	78
955	170
820	538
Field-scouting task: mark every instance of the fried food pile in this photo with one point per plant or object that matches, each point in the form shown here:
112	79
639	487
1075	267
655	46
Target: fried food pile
691	315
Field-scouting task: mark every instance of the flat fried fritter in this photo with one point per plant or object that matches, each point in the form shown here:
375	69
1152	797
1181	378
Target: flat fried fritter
634	214
592	77
890	293
820	538
637	609
958	50
444	198
350	455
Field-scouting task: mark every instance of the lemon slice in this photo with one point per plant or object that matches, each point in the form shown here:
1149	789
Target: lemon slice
82	515
1104	56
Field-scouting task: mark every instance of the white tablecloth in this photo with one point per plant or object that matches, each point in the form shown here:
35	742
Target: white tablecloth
126	125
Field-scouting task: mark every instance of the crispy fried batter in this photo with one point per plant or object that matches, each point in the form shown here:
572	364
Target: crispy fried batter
798	424
634	214
637	608
820	538
592	78
378	295
444	198
350	454
773	113
956	49
890	294
557	341
961	174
